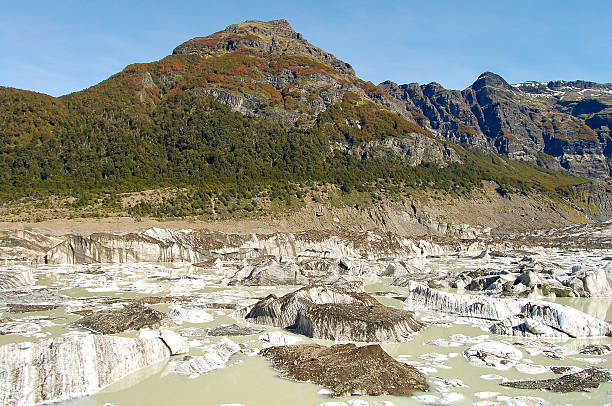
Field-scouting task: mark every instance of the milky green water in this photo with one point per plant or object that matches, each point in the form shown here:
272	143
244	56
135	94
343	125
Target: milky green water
248	379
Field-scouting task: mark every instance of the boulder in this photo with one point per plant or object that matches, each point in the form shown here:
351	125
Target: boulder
347	369
330	313
133	316
57	369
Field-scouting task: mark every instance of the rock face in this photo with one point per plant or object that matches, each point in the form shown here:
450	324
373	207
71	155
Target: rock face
515	316
53	370
556	124
15	279
577	382
278	47
596	196
133	316
347	369
330	313
413	150
307	79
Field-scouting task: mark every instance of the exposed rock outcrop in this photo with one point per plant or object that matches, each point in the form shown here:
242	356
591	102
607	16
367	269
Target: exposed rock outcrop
514	316
589	378
346	369
330	313
133	316
557	125
596	349
280	55
275	37
23	308
596	197
413	150
233	330
57	369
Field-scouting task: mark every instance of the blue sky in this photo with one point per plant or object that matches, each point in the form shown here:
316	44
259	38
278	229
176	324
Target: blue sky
61	46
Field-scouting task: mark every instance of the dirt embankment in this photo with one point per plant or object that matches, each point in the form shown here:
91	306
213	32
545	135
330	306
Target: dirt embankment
414	216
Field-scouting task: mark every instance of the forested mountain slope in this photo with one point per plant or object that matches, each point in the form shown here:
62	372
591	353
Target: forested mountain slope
255	111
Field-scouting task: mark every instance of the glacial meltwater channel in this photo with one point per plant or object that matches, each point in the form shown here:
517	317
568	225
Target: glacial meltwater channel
249	380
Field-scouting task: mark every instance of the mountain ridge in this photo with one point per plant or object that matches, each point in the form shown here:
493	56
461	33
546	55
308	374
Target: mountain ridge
255	112
560	124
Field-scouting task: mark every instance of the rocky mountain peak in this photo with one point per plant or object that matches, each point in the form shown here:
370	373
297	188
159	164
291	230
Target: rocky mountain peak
279	28
578	84
490	79
273	38
432	88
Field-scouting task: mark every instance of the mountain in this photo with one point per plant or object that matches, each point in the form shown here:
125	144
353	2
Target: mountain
255	113
555	124
165	121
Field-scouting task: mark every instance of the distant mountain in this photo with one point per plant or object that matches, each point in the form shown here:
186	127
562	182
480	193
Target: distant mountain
556	124
256	106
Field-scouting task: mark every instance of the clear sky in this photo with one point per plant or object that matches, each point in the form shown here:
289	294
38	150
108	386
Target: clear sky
60	46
